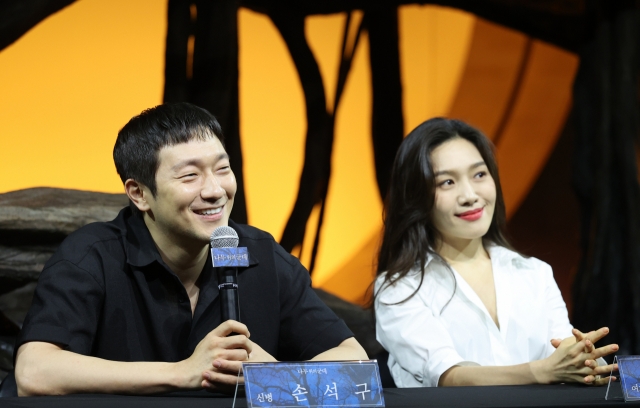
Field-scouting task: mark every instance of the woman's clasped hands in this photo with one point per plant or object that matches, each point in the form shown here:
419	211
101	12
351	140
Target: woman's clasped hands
575	360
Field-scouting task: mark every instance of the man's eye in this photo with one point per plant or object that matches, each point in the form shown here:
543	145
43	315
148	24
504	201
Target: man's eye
188	175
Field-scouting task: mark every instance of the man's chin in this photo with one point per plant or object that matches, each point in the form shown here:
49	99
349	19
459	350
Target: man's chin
209	231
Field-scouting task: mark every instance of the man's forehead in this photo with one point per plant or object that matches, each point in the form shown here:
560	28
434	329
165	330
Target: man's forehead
195	150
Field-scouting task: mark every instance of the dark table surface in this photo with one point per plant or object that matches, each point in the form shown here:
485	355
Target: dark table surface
502	396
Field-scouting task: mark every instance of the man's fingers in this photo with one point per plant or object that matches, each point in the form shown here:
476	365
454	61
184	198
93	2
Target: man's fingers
227	366
230	326
556	342
233	355
213	379
235	342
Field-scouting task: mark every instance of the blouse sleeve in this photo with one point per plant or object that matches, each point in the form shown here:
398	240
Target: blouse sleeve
416	340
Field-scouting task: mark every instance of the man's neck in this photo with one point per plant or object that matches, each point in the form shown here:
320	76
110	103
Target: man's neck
185	259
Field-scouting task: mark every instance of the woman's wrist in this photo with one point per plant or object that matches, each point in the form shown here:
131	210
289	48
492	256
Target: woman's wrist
541	372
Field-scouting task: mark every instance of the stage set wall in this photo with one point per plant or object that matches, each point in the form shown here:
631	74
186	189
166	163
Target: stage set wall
68	85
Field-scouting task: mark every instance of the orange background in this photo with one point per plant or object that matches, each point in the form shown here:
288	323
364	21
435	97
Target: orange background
73	81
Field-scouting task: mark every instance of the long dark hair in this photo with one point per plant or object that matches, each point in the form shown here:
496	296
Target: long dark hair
409	236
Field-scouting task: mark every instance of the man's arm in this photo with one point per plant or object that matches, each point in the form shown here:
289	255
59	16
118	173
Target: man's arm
46	369
349	349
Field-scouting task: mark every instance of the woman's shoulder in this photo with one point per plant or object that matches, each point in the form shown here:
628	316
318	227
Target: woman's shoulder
434	278
516	261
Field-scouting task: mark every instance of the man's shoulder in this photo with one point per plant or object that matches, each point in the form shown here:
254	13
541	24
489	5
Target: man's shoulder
250	232
263	240
96	235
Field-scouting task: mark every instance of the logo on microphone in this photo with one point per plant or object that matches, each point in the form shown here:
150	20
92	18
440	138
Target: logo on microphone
230	257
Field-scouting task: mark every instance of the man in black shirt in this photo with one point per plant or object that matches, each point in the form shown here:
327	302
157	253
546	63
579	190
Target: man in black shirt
132	305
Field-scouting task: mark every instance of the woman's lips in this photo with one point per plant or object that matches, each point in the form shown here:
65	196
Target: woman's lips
471	215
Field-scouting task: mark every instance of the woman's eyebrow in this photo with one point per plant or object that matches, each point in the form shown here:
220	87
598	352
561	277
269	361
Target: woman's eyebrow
452	172
443	172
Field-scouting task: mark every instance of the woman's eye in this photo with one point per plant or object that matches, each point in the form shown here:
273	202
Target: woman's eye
481	174
446	183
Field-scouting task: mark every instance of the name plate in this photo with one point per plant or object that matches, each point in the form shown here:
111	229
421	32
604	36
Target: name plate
629	373
231	257
313	384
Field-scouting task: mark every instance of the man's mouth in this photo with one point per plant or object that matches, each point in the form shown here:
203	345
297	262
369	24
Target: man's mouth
209	211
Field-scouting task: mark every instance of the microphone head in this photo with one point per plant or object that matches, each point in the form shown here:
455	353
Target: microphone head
224	237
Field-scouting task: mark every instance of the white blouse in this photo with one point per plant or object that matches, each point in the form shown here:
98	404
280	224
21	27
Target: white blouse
424	338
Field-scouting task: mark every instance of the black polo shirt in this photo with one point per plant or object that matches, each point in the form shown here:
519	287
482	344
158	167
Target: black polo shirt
106	292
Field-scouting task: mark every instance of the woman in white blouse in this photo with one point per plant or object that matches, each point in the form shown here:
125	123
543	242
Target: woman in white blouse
455	305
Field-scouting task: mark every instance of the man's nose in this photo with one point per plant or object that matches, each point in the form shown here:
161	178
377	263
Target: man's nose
212	188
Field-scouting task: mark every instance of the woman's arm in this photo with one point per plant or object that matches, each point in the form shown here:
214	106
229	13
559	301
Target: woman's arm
571	362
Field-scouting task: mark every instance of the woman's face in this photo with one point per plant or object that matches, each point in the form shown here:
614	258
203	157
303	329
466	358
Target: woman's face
465	191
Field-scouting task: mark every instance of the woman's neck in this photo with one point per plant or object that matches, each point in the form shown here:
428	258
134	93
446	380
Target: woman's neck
462	250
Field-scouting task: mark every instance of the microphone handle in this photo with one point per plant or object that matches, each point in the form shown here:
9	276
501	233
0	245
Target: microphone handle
228	286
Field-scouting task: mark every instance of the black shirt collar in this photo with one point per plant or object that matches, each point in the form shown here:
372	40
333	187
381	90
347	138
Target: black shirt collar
140	247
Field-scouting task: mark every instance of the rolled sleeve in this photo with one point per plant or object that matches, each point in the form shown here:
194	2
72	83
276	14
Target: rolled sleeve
66	308
420	347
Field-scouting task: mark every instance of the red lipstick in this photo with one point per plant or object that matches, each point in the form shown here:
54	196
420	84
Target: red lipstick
472	215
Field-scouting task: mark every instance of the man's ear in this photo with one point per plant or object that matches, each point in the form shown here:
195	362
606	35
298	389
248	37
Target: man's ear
137	193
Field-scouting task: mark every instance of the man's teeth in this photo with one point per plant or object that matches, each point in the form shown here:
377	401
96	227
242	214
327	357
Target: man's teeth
211	211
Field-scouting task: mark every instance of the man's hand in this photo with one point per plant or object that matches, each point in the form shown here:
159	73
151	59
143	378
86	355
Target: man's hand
230	368
216	361
258	355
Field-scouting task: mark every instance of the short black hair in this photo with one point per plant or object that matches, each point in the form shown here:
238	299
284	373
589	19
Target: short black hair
139	142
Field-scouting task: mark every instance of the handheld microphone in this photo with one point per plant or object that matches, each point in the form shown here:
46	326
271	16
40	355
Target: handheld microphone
224	255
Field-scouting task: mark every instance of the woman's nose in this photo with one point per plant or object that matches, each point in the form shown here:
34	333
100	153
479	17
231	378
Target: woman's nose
467	194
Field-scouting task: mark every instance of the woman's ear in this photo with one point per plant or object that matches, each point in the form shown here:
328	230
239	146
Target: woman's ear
138	194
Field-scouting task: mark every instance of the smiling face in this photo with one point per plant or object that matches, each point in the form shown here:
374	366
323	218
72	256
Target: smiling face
465	191
195	192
